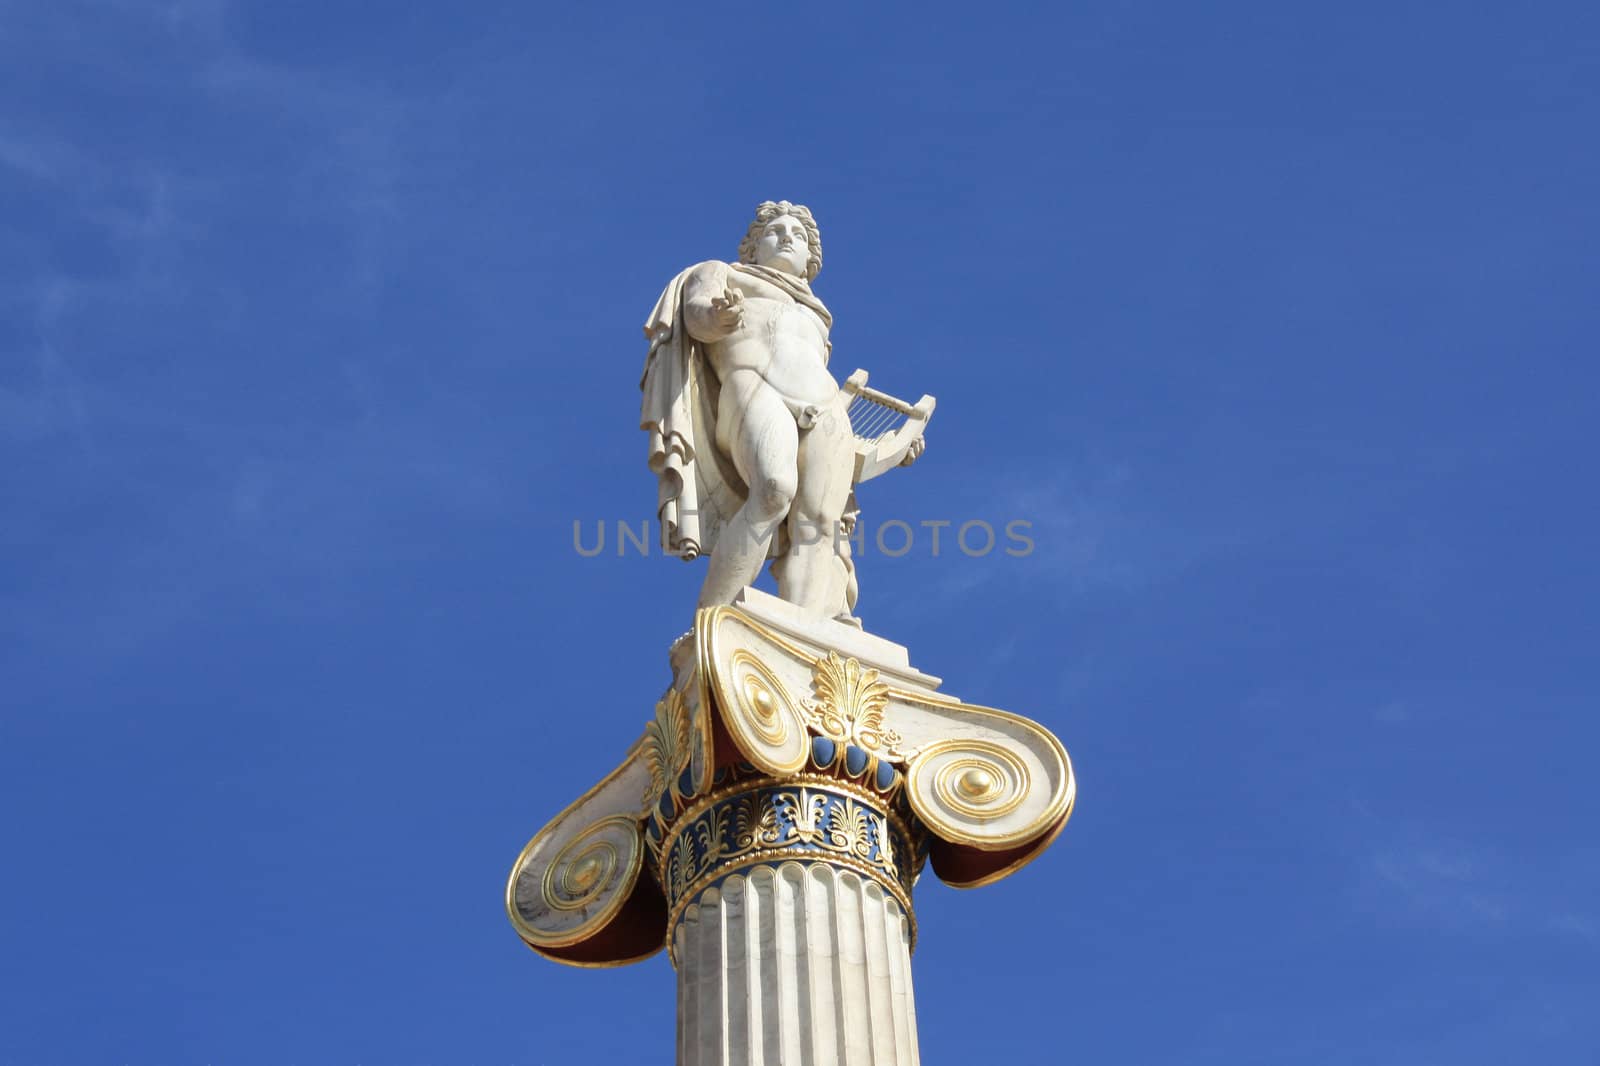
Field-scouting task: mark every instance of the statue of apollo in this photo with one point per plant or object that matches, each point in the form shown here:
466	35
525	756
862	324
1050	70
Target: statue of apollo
751	438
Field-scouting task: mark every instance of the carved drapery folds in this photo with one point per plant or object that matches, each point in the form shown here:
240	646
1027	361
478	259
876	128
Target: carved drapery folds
773	747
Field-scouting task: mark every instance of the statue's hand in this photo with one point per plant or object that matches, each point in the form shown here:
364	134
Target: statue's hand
916	449
727	310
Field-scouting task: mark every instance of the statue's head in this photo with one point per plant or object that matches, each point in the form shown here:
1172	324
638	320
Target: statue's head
784	237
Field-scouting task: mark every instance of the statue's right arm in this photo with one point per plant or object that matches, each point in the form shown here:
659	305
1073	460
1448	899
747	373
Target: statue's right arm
711	309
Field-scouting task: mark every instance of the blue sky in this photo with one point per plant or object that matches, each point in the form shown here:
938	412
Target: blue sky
320	327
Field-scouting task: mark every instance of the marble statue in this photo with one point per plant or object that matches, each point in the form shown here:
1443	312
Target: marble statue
756	447
770	826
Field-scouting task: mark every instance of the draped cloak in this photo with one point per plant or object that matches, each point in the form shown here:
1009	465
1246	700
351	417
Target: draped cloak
698	488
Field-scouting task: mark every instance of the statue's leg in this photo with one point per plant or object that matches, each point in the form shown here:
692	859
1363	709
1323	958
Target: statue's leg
814	576
760	435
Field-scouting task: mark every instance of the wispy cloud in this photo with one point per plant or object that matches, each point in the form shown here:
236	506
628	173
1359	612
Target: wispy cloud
1584	927
129	290
31	159
149	198
1393	712
1096	527
1460	885
1449	884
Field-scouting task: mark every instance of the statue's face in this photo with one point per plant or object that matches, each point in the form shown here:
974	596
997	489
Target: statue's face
783	246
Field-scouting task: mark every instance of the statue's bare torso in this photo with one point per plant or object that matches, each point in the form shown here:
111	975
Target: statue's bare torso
783	341
781	418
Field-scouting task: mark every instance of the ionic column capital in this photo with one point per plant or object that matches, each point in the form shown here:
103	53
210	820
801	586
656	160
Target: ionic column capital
784	739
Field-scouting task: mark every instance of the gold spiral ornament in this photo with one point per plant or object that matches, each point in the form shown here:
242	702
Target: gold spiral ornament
762	717
762	706
581	870
572	894
982	780
974	791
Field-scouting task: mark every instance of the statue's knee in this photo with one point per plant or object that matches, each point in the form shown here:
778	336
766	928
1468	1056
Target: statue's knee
773	495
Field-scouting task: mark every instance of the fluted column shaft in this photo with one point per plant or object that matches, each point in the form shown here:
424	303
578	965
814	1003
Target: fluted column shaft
801	964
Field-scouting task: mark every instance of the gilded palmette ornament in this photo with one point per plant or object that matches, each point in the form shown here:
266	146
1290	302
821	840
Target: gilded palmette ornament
804	812
847	704
847	829
665	745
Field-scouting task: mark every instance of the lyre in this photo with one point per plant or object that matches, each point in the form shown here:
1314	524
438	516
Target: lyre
884	427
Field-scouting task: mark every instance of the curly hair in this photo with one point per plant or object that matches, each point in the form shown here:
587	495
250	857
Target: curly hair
771	210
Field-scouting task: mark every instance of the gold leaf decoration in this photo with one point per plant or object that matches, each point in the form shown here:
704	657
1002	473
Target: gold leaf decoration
798	821
847	705
666	745
682	868
805	813
848	829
